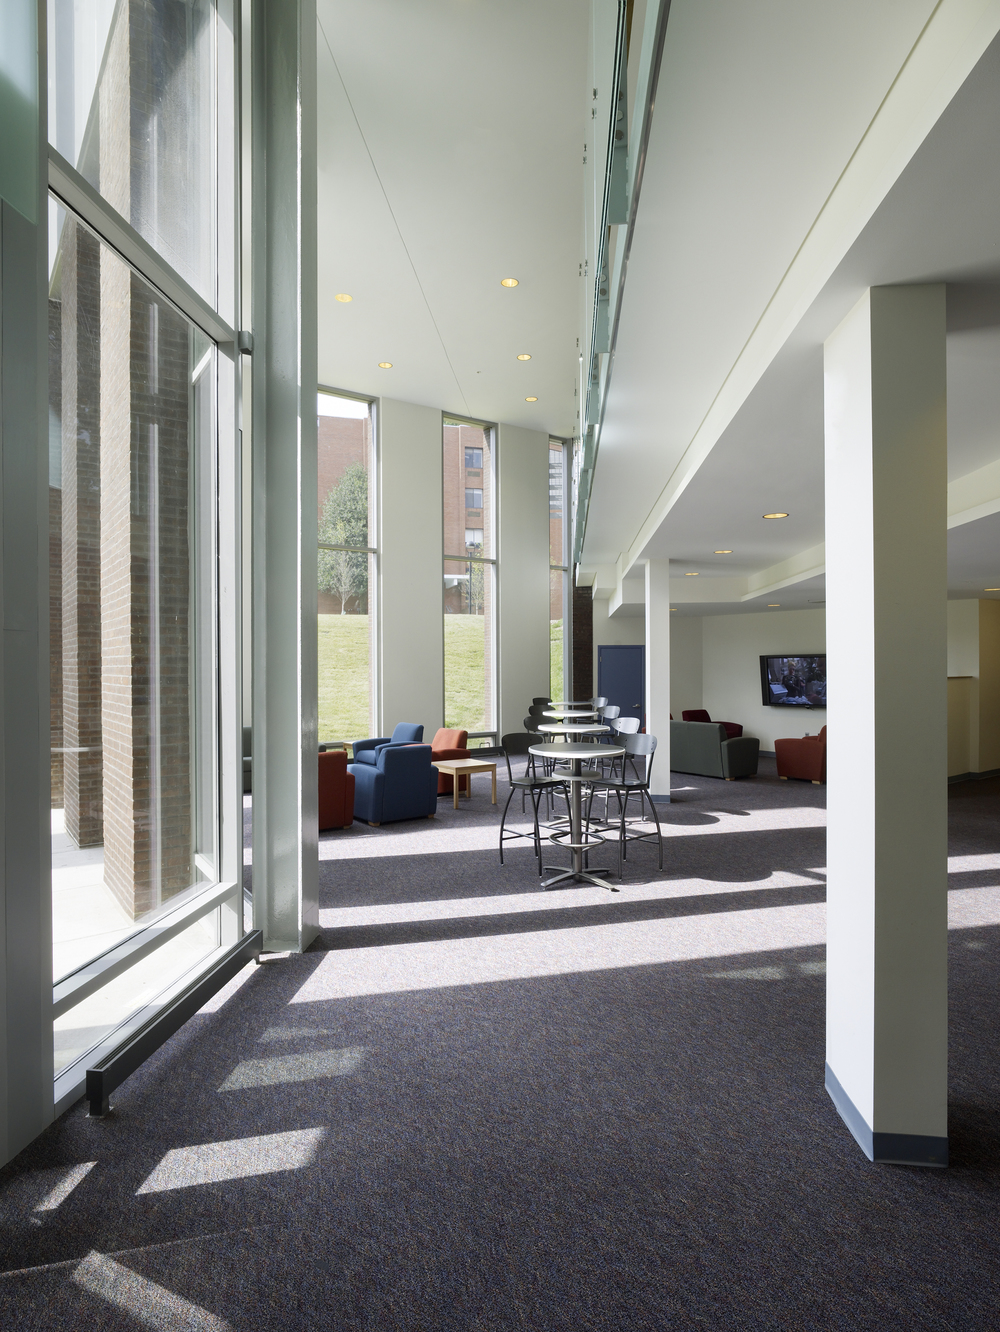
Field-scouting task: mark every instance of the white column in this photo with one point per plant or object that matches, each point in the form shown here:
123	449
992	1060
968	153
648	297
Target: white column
285	767
411	569
886	488
658	670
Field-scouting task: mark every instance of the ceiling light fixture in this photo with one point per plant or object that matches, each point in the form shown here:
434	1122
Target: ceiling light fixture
723	552
691	573
385	365
508	282
775	515
531	400
774	605
343	296
524	356
991	589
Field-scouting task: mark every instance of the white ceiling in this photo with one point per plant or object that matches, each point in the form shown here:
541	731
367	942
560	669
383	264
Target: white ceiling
450	157
739	161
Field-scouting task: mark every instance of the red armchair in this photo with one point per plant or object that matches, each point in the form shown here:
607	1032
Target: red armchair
733	729
450	745
336	790
804	758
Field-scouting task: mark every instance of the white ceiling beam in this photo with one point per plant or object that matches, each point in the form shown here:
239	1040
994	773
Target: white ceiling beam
974	496
796	569
948	48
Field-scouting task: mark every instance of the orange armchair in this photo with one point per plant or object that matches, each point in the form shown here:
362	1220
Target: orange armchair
450	745
336	790
804	758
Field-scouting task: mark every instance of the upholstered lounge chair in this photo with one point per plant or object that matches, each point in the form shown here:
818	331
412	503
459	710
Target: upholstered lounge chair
705	749
336	790
401	784
733	729
804	757
404	733
450	744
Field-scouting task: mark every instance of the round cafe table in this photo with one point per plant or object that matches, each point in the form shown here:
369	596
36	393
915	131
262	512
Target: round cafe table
573	729
577	714
579	705
576	753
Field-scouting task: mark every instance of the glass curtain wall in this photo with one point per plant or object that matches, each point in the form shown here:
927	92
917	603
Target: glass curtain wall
347	572
469	577
133	507
558	568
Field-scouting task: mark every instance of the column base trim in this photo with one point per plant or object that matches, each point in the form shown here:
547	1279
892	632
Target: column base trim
912	1149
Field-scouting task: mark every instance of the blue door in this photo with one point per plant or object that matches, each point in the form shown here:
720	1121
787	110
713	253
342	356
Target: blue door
621	677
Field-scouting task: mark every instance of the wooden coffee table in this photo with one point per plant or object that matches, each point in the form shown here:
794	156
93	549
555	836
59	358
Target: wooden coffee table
456	768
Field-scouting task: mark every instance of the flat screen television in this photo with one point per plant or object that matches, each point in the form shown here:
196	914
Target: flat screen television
793	682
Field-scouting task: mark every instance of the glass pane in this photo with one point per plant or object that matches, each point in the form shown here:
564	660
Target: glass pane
557	586
132	449
468	645
132	100
344	429
468	490
346	652
556	507
82	1027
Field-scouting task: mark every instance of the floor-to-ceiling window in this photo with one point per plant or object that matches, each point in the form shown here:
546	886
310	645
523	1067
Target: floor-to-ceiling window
346	563
469	577
141	118
559	639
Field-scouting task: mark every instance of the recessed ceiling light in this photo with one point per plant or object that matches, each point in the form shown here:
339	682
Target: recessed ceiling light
991	589
531	400
508	282
343	296
524	356
775	515
723	552
385	365
691	573
774	605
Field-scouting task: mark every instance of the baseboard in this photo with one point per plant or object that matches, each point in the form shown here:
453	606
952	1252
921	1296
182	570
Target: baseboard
974	776
910	1149
660	799
766	753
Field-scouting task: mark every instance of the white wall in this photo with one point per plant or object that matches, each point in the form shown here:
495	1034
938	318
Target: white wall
732	648
686	634
963	637
523	553
410	584
618	629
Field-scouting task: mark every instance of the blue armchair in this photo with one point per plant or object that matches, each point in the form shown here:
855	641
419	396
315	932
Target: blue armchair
405	733
401	784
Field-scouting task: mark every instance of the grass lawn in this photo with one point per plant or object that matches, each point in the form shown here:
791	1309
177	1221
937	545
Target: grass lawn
464	672
556	659
344	707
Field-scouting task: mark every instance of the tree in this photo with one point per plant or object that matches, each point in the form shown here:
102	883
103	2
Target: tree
344	573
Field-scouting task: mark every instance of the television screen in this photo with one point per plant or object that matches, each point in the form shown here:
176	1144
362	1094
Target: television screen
793	682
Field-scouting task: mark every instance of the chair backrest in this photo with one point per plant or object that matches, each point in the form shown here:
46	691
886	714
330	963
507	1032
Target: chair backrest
636	747
529	724
537	701
626	725
450	739
515	745
822	735
598	702
407	733
695	714
610	712
538	710
404	762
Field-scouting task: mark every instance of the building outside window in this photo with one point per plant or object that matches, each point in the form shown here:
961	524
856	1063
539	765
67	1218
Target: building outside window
469	577
559	585
346	568
135	386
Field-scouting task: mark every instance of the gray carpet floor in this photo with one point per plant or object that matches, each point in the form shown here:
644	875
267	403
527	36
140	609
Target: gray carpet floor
473	1105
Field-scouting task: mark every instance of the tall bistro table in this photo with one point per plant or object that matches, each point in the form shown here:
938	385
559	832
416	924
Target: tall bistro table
576	752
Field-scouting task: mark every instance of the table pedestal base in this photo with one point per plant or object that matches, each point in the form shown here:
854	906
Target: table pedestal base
577	876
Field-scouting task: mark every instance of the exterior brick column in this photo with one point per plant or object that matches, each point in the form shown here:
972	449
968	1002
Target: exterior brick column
81	537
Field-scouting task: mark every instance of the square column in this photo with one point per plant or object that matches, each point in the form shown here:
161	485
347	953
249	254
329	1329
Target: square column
658	670
886	491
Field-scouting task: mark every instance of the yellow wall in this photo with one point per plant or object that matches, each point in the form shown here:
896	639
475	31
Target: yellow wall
989	686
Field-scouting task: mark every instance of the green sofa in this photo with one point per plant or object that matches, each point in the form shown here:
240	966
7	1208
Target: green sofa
702	748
